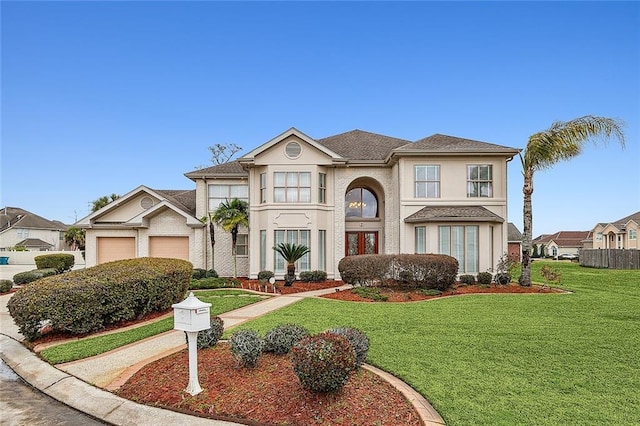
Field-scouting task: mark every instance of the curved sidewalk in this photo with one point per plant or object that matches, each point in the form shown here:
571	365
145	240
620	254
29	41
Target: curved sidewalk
84	384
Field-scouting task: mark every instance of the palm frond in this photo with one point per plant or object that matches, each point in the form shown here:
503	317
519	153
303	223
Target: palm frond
291	252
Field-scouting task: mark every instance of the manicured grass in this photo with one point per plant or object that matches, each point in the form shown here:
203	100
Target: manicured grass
506	359
221	300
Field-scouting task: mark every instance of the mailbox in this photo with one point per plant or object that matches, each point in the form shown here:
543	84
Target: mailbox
191	314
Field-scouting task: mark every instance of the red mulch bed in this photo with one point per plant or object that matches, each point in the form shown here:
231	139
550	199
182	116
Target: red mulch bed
395	294
269	394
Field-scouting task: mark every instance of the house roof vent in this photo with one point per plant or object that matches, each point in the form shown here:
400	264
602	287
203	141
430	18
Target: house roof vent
293	150
146	203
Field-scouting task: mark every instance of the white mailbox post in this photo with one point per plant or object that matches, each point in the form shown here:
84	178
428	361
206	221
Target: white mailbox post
192	315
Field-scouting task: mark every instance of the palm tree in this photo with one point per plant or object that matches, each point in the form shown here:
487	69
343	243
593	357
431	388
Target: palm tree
230	215
291	253
99	203
562	141
75	237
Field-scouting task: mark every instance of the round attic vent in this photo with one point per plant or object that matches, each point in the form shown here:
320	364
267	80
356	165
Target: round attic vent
146	203
293	150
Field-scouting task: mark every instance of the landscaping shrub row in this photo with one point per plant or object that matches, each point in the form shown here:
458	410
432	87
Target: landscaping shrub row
61	262
86	300
436	271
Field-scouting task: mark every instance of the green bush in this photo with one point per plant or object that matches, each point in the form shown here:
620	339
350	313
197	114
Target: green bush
358	340
31	276
86	300
408	270
246	347
211	283
431	292
6	286
61	262
211	273
208	338
484	278
467	279
313	276
323	362
198	274
265	275
281	339
370	293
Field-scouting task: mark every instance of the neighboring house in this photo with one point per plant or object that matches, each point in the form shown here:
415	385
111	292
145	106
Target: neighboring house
21	228
621	234
352	193
563	242
514	241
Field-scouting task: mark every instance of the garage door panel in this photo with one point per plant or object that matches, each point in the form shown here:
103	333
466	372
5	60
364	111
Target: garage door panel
171	247
115	248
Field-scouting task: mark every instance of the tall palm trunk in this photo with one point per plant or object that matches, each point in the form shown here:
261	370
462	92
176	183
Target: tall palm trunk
234	241
527	215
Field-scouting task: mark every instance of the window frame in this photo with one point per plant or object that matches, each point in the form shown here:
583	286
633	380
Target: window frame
426	182
263	188
468	259
228	196
322	188
475	186
244	245
420	240
287	190
633	234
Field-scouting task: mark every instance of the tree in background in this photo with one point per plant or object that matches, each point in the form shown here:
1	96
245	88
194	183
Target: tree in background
222	153
75	237
562	141
230	215
99	203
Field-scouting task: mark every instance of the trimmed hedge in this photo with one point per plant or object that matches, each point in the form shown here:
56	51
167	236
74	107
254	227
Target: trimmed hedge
437	271
313	276
86	300
213	282
6	286
31	276
60	261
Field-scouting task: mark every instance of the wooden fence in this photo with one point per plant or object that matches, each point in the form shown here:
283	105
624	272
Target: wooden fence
610	258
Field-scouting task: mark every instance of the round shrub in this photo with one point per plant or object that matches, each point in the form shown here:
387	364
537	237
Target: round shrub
281	339
503	278
208	338
5	286
313	276
265	275
358	340
211	273
31	276
484	278
323	362
60	262
246	347
467	279
198	274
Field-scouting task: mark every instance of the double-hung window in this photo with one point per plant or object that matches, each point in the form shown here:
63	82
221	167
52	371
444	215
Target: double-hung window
633	234
460	242
421	239
427	181
480	180
292	187
322	188
263	187
220	193
242	245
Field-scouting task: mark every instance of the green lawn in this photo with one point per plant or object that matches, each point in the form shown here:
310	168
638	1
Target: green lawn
560	359
221	300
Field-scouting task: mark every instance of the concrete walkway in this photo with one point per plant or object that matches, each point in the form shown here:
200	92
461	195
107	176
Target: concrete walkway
85	384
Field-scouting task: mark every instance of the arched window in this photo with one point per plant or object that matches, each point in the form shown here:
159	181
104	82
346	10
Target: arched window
361	203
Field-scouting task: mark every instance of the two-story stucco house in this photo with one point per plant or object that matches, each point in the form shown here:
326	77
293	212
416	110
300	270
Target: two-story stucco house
28	231
352	193
620	234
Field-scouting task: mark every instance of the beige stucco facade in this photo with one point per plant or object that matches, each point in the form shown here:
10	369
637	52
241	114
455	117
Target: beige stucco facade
616	236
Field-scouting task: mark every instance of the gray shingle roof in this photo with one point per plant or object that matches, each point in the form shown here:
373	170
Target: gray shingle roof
226	169
34	243
564	238
454	214
361	145
16	217
183	199
513	233
452	144
620	223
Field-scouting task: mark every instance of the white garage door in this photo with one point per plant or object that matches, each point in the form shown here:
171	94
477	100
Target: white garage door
173	247
115	248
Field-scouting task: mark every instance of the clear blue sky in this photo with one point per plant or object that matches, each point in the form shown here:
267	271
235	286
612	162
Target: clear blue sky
101	97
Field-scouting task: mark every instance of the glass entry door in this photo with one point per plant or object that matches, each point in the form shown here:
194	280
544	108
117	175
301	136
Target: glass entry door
363	242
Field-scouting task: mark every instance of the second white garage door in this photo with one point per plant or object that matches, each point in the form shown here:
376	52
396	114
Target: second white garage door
172	247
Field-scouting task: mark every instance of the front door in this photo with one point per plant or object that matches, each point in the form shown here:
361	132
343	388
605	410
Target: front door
363	242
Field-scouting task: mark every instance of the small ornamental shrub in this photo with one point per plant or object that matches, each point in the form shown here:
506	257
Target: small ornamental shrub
265	275
467	279
431	292
208	338
313	276
211	273
61	262
359	342
323	362
87	300
484	278
31	276
246	347
5	286
503	278
198	274
281	339
370	293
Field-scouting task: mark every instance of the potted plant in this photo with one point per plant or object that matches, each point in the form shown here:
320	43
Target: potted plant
291	253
